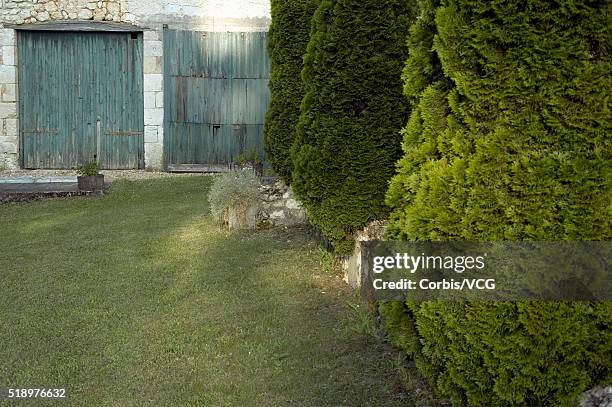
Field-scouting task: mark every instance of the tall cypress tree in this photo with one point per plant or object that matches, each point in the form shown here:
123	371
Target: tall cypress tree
348	137
288	37
518	148
523	137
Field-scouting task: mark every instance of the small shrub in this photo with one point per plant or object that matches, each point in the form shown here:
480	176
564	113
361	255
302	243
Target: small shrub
90	169
362	320
233	189
249	157
329	262
269	172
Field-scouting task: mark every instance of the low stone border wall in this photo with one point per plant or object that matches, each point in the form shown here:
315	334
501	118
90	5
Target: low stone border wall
278	206
37	196
597	397
351	265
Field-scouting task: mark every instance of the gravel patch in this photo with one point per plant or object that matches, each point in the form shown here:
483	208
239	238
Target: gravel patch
110	175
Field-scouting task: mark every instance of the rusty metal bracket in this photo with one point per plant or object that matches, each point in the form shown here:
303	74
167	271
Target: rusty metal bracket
40	131
124	133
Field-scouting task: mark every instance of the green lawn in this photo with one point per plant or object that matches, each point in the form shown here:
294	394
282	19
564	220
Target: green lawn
137	298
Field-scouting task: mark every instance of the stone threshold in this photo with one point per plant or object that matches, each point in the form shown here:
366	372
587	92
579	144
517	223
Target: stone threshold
39	180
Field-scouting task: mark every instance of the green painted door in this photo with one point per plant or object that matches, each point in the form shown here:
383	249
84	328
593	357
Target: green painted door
80	97
215	97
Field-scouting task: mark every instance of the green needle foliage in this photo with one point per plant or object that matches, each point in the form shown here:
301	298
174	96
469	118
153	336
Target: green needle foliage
288	38
509	139
519	148
427	89
348	136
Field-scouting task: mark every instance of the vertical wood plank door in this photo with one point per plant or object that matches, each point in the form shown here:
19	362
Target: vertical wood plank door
80	96
215	96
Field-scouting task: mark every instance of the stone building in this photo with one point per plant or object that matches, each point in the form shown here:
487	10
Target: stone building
132	83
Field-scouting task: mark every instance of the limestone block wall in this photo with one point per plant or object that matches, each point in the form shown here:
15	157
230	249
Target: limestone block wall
9	140
210	15
153	99
204	15
279	206
354	270
32	11
152	16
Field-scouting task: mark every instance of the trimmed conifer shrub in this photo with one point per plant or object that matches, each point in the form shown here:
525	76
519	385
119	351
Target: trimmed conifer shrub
427	88
348	136
514	144
287	40
525	140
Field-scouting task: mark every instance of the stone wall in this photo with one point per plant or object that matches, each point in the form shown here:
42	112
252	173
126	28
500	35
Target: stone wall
33	11
351	265
597	397
9	140
278	206
204	15
153	99
213	15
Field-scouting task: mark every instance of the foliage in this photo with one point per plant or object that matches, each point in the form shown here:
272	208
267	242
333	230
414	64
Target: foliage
515	150
330	263
348	138
89	169
288	37
423	66
238	188
249	157
508	140
506	354
269	172
363	319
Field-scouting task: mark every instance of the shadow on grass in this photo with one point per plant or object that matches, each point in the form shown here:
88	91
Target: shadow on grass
138	299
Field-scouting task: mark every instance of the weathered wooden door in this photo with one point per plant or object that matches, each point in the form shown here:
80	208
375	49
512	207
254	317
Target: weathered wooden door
80	96
216	97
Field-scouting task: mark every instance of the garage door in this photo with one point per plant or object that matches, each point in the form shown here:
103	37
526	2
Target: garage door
216	97
81	99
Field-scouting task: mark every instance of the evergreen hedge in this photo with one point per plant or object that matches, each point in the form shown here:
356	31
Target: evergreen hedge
348	136
509	139
287	40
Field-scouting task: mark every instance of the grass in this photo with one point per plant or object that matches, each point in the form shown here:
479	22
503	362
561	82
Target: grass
137	298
